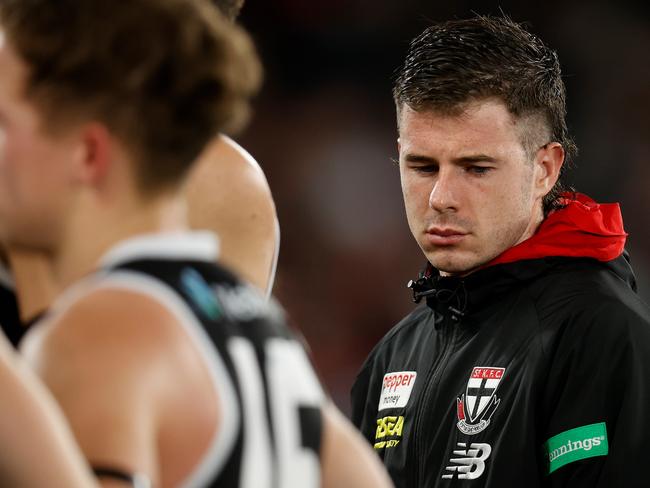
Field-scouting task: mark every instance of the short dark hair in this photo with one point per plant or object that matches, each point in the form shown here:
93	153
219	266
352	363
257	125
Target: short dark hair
164	76
230	8
458	61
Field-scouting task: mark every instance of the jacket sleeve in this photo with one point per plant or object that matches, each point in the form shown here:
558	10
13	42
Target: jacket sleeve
596	406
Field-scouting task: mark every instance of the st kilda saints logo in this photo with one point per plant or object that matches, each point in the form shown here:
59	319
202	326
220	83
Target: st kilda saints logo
476	406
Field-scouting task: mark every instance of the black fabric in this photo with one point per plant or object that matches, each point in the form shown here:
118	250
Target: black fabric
574	339
311	428
120	475
10	316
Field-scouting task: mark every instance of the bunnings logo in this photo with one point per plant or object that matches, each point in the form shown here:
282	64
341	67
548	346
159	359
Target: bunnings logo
575	444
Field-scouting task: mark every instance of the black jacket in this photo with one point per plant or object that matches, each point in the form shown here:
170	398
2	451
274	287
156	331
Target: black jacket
528	373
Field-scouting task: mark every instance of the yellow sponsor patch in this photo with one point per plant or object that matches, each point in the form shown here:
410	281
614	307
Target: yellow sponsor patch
389	431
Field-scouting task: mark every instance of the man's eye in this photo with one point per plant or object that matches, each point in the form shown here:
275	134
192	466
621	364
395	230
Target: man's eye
479	170
426	169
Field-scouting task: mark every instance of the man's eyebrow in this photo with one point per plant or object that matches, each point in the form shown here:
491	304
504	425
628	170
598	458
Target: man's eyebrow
475	158
469	159
419	158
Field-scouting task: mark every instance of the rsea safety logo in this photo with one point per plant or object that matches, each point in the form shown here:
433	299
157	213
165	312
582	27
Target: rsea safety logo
396	389
389	431
475	407
575	444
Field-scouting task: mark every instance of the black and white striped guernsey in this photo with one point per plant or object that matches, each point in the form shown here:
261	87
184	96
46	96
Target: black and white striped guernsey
271	429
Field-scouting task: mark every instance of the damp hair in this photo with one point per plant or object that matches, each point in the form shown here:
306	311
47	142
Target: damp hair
460	61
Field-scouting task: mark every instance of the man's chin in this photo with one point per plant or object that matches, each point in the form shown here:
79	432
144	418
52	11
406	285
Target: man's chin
453	266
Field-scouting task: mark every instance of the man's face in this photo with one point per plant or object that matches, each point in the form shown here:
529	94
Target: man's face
469	187
32	163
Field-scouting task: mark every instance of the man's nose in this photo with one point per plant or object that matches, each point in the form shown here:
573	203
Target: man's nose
444	191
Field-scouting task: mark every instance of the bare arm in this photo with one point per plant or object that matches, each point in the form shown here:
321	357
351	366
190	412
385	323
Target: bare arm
99	375
128	378
228	194
347	459
38	447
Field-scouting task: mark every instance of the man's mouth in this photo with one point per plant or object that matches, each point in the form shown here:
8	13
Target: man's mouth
444	236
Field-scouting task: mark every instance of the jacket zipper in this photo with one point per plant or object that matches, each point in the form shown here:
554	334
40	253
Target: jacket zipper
432	378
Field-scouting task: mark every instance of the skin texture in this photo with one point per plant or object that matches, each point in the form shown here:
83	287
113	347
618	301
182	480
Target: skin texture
40	161
33	281
126	381
470	189
129	379
36	430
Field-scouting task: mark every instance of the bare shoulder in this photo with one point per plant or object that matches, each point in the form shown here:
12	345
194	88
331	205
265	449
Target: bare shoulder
118	333
128	378
227	193
234	157
229	174
227	183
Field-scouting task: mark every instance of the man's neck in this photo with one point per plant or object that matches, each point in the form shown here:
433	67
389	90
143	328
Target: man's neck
95	230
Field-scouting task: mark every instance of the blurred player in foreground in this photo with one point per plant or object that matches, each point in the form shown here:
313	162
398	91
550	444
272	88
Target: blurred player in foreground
167	367
226	192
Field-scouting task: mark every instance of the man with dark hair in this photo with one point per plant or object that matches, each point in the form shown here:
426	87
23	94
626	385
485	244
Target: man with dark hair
168	368
529	360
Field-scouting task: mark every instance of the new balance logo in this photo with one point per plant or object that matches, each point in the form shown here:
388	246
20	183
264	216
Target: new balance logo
470	463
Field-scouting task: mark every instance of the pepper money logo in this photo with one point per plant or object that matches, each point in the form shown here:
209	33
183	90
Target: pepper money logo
476	406
396	389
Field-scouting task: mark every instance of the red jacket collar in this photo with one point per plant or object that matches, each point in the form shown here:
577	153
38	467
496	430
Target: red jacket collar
583	228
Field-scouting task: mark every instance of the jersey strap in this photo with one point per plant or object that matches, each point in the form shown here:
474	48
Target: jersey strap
136	480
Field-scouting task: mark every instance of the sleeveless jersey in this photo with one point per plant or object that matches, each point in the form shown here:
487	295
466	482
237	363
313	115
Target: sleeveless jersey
271	427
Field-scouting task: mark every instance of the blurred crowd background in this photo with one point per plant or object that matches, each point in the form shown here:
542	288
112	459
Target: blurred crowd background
324	132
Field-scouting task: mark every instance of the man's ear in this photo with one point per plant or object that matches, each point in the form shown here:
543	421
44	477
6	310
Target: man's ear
548	163
93	157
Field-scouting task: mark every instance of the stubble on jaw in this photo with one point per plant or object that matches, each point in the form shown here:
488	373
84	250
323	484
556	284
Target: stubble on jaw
504	238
